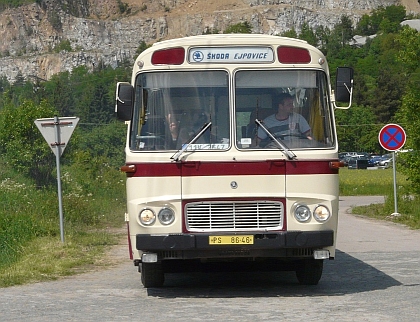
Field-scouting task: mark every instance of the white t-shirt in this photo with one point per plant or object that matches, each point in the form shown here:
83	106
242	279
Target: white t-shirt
294	125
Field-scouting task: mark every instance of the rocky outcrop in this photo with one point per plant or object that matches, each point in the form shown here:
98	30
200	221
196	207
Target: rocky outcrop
50	37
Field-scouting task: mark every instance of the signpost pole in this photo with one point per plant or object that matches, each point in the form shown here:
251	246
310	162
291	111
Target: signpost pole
394	170
57	158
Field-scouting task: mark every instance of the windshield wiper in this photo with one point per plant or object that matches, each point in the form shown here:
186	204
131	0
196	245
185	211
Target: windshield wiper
286	151
191	141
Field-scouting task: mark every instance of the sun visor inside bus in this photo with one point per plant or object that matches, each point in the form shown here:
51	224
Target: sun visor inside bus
274	79
187	79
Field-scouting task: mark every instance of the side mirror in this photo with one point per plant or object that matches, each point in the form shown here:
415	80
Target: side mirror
124	101
344	85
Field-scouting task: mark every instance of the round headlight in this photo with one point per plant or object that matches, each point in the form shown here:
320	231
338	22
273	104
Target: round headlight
147	217
321	213
166	216
302	213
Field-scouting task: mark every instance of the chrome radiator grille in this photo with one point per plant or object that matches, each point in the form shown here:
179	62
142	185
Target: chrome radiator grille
231	216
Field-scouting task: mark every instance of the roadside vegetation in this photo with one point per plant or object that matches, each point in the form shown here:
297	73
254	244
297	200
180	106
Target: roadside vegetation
387	89
31	249
93	188
7	4
381	183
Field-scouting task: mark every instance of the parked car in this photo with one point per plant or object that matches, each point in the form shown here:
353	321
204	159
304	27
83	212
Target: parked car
374	160
358	163
344	157
385	161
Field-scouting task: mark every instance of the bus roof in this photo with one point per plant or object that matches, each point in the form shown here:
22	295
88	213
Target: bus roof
232	39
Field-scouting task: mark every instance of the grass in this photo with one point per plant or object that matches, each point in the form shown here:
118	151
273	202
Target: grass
31	248
369	182
380	182
46	258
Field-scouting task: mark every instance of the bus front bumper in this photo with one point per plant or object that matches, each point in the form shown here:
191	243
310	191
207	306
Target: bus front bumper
273	244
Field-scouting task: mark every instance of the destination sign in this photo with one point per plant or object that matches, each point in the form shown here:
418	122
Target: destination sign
242	55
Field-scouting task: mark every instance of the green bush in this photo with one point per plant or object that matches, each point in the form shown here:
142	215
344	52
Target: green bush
63	45
21	143
239	28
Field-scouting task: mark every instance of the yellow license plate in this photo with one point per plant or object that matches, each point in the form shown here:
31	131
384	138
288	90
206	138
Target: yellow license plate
231	240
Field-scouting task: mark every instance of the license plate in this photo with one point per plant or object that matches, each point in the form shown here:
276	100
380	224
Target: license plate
231	240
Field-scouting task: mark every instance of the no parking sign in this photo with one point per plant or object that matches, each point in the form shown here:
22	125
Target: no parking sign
392	137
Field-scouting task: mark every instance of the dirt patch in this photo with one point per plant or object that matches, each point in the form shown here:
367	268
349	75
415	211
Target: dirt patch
185	7
411	5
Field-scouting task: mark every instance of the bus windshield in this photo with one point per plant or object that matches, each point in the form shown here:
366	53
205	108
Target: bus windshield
172	107
293	106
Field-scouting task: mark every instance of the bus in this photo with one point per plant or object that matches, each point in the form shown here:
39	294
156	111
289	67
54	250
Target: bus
212	178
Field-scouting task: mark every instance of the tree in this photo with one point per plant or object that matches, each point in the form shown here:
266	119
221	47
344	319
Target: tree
408	115
357	129
381	19
239	28
59	94
4	87
408	40
308	34
364	27
393	15
94	93
142	47
387	94
322	34
344	30
290	33
339	37
21	143
96	141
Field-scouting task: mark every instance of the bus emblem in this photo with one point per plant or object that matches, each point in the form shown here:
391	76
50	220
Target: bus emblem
198	56
234	185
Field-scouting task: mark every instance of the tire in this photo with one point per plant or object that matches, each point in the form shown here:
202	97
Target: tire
309	271
152	275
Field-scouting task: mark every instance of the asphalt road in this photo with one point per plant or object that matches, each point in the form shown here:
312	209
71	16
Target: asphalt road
375	277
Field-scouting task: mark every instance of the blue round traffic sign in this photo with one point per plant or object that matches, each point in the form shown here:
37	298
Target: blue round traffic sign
392	137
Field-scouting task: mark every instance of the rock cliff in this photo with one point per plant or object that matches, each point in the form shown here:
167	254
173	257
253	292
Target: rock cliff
52	36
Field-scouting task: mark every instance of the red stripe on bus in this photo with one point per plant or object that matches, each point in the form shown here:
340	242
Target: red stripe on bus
310	167
199	168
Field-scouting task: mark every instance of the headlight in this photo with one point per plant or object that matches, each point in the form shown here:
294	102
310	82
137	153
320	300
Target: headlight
147	217
302	213
166	216
321	213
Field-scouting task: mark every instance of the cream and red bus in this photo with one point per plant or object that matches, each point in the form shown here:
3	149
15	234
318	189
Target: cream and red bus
209	180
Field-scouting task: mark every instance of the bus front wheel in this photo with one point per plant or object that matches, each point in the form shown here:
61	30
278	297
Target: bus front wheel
309	271
152	274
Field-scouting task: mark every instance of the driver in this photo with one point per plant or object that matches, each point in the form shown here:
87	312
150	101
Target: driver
285	122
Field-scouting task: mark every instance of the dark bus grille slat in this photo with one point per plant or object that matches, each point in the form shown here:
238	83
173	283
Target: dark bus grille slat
209	216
